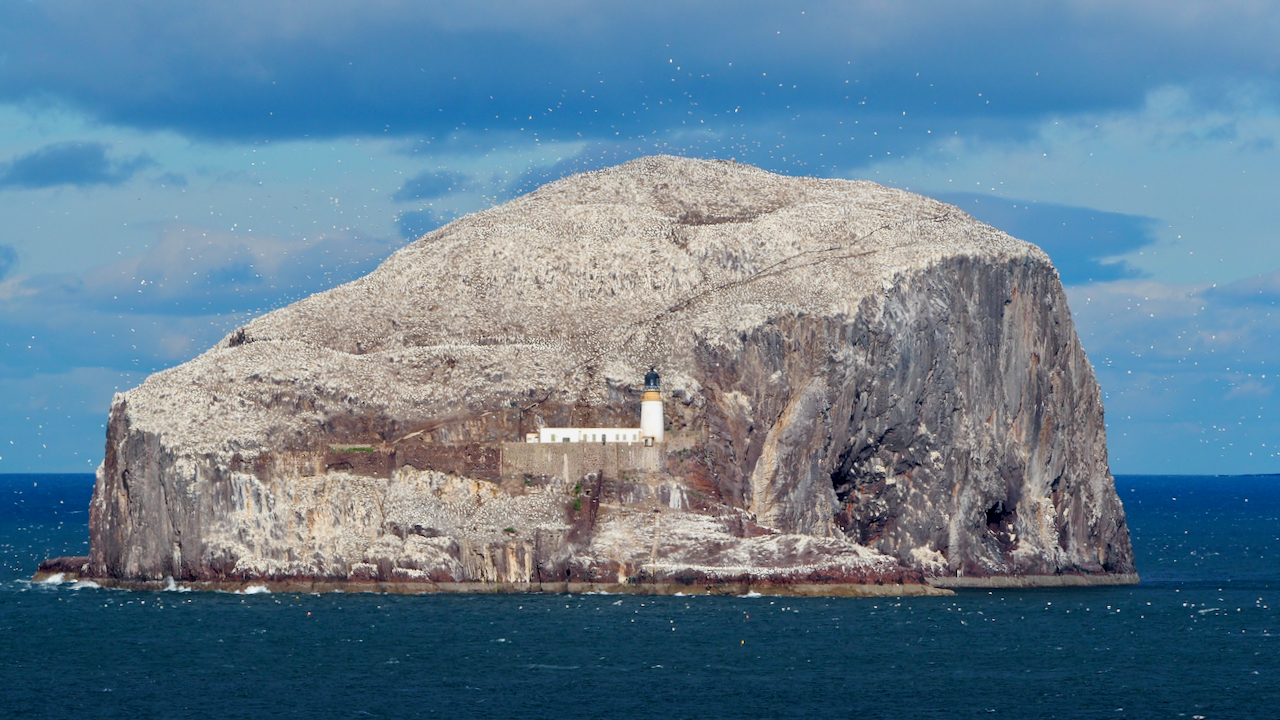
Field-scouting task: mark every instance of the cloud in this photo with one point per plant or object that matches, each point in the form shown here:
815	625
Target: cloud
1256	291
1186	375
1258	145
70	163
430	185
1079	240
196	271
594	156
55	422
604	71
416	223
8	259
177	180
153	309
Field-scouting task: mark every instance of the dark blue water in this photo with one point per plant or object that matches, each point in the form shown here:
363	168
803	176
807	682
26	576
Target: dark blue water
1200	637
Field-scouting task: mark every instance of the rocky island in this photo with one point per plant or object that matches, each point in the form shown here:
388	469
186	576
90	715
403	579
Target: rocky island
863	391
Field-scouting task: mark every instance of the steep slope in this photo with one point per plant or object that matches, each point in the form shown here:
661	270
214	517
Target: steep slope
863	385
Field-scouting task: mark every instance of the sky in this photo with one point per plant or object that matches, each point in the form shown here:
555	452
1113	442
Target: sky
171	169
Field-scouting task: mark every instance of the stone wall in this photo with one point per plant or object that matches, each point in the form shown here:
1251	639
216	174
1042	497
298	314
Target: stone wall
572	461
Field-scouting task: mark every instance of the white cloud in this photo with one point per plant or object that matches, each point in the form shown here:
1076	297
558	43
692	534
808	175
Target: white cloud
1187	375
1207	175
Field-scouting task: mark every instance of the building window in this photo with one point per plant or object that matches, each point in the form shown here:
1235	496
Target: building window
553	437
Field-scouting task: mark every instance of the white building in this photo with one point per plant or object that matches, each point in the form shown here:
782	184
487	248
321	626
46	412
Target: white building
596	435
650	430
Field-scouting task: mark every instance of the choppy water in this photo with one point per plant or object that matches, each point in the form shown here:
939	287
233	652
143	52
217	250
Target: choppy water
1200	637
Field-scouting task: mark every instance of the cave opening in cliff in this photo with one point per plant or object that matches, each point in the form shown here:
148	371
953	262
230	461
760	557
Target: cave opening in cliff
998	517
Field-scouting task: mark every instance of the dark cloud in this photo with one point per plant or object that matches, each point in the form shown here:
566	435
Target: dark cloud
1079	240
69	163
8	259
430	185
608	71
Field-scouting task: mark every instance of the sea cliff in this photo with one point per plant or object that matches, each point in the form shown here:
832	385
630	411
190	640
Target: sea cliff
866	391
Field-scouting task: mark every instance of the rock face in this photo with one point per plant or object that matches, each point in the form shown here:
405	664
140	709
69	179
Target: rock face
862	386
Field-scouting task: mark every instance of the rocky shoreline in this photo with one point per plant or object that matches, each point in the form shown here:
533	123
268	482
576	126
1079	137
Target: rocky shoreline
1035	581
72	569
476	588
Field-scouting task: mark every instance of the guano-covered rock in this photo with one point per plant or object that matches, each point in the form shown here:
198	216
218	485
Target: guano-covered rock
863	388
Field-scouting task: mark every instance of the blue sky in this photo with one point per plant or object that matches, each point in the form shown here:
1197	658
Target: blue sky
168	170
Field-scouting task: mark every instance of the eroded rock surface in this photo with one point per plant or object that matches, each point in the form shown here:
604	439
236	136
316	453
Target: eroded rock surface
862	386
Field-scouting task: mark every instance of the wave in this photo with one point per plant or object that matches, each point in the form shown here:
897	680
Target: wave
171	586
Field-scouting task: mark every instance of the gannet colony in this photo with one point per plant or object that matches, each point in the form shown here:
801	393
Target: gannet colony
851	390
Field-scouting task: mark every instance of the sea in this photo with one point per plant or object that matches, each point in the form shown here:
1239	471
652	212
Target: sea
1198	638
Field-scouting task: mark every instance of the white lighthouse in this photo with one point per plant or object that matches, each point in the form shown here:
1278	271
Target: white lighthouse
651	420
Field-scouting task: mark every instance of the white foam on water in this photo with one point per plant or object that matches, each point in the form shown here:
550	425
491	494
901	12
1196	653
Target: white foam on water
255	590
85	584
171	586
753	594
54	579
